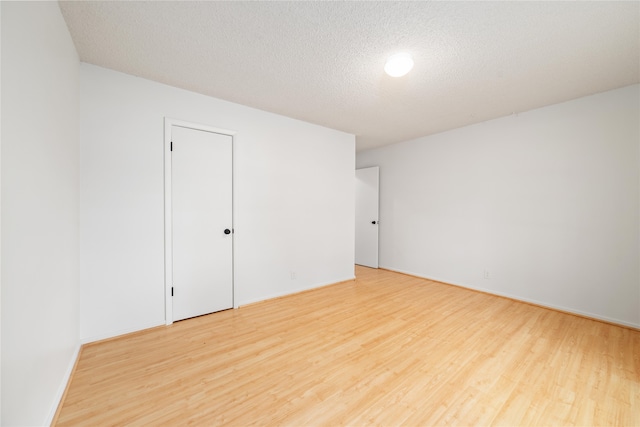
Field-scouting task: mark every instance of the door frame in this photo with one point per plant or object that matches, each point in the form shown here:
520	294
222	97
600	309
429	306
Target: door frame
168	224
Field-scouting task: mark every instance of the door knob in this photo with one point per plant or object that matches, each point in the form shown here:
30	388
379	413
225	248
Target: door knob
227	231
373	222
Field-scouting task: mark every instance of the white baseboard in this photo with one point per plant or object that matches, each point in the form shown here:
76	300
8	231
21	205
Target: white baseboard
519	298
63	385
293	291
105	336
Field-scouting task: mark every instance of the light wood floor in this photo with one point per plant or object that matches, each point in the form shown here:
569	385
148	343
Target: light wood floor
386	349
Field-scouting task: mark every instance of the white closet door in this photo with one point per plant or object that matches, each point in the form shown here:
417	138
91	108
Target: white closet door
367	216
201	175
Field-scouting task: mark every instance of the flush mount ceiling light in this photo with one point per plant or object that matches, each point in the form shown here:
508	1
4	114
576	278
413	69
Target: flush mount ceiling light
398	65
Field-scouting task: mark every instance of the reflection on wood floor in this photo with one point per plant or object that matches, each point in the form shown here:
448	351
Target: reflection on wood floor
385	349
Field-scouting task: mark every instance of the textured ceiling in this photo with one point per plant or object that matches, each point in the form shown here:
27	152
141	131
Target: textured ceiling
322	62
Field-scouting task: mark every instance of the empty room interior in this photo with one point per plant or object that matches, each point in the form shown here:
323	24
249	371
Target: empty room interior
320	213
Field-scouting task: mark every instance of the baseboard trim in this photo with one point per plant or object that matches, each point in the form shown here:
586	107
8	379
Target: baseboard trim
120	333
535	303
294	292
64	387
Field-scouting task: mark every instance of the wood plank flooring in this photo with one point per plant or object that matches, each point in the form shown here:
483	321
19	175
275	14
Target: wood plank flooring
385	349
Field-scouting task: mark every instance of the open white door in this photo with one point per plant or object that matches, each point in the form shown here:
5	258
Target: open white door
201	219
367	216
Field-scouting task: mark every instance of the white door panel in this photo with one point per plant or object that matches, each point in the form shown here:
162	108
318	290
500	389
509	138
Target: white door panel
367	216
201	164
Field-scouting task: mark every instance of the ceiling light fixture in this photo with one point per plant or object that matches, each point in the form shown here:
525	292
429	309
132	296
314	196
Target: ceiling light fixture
398	65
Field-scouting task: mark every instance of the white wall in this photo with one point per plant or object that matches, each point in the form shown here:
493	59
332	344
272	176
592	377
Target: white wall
546	201
0	219
294	201
40	314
